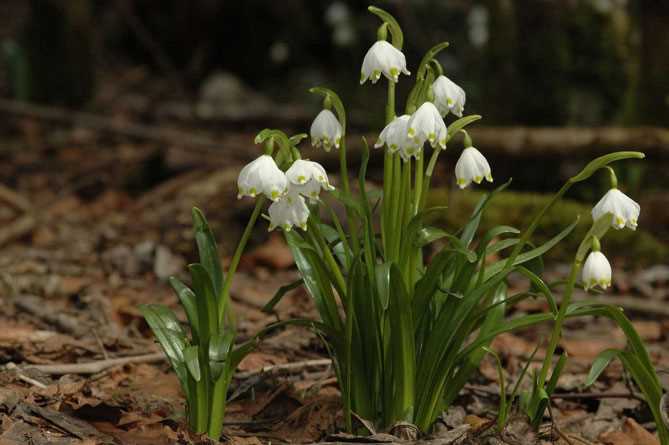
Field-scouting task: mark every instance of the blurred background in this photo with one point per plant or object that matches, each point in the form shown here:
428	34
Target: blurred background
139	92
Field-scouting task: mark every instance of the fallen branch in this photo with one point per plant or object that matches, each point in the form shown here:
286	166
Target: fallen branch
284	367
108	124
97	366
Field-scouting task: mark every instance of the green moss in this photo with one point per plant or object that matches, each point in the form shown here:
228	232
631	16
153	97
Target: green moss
516	209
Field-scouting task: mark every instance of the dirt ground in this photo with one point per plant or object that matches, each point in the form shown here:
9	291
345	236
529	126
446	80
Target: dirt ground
92	224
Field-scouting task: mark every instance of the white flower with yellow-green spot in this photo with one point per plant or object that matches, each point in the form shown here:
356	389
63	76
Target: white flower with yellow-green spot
308	178
426	124
395	137
448	96
596	271
326	130
472	166
383	58
624	209
289	211
262	176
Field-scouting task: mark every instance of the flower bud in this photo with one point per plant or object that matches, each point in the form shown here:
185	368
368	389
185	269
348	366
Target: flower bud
326	130
596	271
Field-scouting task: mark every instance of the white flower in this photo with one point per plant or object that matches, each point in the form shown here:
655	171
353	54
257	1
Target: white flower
395	137
307	178
289	211
426	124
472	166
383	58
262	176
596	271
624	209
448	96
326	130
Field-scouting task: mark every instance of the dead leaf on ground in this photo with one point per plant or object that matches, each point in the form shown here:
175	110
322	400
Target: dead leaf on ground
632	434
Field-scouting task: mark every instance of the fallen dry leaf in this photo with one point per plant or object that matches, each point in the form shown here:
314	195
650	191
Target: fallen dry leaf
632	434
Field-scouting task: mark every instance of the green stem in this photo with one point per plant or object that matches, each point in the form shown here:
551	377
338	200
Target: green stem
217	411
559	320
428	178
317	238
418	191
390	105
225	293
343	167
202	405
387	201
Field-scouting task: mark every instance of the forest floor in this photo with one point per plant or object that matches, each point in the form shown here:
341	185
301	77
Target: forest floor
85	238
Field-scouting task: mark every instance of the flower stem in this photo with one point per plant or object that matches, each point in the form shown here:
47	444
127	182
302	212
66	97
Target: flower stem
343	167
556	333
418	192
225	293
390	105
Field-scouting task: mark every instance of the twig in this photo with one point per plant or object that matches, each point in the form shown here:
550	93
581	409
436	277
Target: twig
24	377
97	366
595	395
35	306
18	228
568	395
14	199
277	369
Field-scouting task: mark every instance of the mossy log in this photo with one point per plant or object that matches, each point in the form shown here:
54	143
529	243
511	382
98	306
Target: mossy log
516	209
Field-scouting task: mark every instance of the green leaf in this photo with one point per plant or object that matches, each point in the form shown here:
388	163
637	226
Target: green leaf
600	363
278	295
395	30
383	284
206	302
602	161
402	346
188	301
557	372
220	345
540	286
207	250
192	362
170	336
530	254
459	124
472	226
425	61
316	280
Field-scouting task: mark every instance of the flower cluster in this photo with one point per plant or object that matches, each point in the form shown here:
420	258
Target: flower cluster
287	190
624	212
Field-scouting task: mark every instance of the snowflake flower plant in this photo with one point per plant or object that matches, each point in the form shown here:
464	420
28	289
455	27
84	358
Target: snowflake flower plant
406	333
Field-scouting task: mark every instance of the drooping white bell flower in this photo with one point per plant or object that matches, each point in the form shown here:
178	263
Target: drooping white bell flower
426	124
262	175
289	211
596	271
326	130
395	136
383	58
307	178
472	166
448	96
624	209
